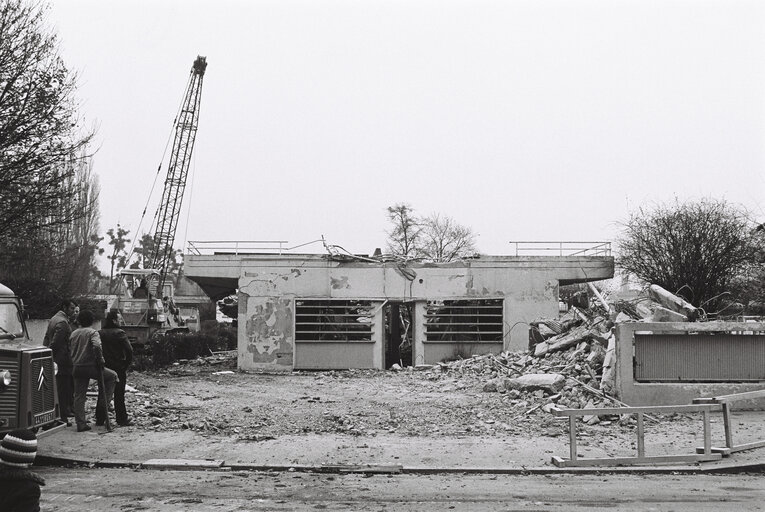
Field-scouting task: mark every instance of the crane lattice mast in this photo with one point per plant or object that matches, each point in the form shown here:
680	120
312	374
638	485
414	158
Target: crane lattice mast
169	208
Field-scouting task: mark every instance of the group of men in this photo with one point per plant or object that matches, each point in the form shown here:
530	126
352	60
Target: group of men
82	353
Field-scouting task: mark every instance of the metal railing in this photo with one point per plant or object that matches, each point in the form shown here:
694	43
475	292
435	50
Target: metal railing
725	401
237	247
706	453
542	248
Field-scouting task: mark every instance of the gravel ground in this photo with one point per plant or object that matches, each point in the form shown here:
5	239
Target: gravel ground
211	396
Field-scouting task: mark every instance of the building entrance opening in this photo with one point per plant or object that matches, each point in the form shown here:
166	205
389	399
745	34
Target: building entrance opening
398	333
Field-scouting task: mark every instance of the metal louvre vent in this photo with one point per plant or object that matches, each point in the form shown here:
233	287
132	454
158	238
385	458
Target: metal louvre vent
702	357
42	386
471	320
333	320
9	397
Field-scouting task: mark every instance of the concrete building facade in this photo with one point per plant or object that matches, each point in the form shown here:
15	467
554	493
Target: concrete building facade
309	311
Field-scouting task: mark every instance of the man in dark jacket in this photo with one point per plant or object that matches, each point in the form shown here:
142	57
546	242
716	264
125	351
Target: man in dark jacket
88	363
118	355
57	338
19	487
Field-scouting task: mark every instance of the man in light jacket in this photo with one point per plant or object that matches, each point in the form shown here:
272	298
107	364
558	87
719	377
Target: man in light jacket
88	363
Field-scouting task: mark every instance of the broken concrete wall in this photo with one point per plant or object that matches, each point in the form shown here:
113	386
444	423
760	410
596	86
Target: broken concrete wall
269	284
265	338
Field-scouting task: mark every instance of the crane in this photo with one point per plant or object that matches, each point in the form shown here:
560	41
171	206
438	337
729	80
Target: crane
178	168
146	315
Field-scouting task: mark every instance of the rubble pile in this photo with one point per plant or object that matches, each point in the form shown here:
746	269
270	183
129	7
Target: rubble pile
571	359
569	364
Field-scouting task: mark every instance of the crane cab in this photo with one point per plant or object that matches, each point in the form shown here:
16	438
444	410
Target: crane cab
145	313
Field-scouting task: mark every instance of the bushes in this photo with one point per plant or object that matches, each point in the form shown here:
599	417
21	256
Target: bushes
190	345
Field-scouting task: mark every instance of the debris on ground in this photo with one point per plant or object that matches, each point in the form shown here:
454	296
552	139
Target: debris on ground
570	364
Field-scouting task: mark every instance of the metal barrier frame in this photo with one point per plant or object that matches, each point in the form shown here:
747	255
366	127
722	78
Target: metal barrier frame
707	453
724	401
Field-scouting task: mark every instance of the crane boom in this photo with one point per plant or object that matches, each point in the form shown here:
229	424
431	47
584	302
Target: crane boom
169	208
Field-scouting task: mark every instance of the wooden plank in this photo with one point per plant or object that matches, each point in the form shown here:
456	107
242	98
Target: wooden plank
181	464
363	468
724	451
640	436
707	433
747	395
634	410
630	461
747	446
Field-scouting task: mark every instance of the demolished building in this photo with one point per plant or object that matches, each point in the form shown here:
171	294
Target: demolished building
334	311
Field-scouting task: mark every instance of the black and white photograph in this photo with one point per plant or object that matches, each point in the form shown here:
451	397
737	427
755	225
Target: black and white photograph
382	255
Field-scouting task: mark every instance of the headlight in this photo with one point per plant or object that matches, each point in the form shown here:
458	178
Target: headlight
55	368
5	378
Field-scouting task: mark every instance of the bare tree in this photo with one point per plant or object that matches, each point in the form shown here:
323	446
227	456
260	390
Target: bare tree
39	124
695	249
402	239
442	239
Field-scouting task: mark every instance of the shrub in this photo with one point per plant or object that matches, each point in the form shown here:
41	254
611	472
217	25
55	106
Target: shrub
171	347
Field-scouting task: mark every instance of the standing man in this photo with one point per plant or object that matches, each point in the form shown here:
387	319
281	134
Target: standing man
57	338
118	355
88	363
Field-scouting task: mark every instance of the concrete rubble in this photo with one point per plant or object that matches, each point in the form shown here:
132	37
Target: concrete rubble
569	364
571	359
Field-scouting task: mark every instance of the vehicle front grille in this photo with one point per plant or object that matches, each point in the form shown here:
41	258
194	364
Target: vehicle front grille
9	397
42	383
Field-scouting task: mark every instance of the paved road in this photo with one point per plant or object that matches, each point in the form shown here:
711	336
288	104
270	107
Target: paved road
126	490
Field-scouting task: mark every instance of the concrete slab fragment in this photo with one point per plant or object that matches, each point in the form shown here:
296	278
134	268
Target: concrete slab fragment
181	464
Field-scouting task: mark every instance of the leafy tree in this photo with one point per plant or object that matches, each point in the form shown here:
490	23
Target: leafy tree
57	260
144	251
695	249
119	256
436	238
39	123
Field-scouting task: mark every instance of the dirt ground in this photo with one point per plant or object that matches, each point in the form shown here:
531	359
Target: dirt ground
211	396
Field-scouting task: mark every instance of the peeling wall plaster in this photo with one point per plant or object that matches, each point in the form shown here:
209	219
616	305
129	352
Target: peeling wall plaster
270	336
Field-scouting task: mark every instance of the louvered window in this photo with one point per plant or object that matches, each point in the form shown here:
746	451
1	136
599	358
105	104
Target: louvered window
473	320
333	320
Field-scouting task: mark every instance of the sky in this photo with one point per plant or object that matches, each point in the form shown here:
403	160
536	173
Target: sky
524	120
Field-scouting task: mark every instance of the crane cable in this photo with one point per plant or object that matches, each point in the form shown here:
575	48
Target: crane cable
156	176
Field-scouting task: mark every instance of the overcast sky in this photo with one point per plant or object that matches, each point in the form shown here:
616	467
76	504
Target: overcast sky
525	120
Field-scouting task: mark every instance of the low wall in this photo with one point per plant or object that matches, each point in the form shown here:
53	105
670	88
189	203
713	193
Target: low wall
676	393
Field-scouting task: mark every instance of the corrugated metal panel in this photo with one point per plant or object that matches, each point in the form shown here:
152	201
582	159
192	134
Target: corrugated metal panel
699	357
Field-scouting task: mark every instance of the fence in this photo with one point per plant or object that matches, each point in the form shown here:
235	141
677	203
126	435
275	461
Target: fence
535	248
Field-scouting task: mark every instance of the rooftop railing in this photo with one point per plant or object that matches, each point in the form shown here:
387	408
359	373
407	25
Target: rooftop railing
537	248
237	247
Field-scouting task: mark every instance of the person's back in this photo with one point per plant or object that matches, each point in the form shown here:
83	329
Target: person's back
19	487
118	355
88	363
85	347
